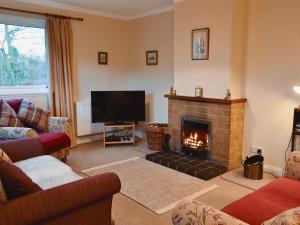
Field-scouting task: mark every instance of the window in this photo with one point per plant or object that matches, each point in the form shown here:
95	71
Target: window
23	56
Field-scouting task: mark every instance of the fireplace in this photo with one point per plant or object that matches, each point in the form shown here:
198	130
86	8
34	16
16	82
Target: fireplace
195	137
211	129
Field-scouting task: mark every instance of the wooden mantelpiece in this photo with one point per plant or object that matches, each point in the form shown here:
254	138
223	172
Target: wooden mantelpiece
208	100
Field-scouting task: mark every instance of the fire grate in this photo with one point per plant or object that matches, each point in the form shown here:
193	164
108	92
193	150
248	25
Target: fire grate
203	169
195	137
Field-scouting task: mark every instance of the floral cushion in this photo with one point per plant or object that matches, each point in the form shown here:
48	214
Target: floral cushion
33	116
8	117
195	213
292	168
288	217
16	132
59	124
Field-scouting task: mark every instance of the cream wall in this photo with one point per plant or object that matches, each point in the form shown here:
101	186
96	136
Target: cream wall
153	33
254	50
238	47
212	74
223	70
101	34
272	69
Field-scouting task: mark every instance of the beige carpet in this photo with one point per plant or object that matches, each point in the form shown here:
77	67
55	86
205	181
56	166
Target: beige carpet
156	187
236	176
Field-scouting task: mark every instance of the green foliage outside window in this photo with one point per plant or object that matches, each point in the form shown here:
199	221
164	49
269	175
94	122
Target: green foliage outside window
23	59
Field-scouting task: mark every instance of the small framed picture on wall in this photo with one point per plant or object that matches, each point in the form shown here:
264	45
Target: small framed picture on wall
200	44
102	58
152	57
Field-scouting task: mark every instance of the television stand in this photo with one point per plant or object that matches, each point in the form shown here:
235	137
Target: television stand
112	140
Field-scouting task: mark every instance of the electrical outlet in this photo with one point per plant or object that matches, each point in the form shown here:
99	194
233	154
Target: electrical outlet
254	149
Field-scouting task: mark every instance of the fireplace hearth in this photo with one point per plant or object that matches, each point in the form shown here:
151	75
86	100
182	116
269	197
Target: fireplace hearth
200	168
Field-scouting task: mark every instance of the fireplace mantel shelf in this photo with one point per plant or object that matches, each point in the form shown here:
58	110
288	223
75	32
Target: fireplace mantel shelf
209	100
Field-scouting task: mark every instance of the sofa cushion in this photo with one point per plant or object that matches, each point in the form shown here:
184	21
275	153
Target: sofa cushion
47	171
15	182
267	202
14	103
33	116
290	217
8	117
16	132
54	141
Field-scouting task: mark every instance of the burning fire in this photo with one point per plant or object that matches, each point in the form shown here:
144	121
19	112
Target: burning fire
192	141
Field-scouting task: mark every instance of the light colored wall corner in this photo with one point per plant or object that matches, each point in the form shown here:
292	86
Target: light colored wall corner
154	32
272	70
96	34
238	46
213	74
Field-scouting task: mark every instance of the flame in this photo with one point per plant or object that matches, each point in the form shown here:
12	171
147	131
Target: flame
192	141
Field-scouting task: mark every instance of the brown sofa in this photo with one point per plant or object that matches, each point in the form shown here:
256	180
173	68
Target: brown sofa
83	201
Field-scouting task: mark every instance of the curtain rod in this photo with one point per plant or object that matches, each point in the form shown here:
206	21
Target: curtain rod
42	14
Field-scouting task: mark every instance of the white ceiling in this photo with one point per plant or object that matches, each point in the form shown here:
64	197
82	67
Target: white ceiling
124	9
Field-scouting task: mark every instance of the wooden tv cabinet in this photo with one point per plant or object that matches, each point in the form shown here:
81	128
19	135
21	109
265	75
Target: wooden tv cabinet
107	126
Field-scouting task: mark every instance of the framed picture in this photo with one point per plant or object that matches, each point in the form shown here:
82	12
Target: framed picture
102	58
152	57
200	44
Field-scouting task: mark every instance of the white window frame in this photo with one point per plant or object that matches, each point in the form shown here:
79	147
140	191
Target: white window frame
26	22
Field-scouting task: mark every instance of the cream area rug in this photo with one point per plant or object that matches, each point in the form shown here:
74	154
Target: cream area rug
154	186
237	177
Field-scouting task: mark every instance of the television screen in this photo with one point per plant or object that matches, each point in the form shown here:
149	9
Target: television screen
118	106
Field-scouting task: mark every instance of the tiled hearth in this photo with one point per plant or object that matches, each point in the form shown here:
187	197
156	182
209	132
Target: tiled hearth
203	169
226	119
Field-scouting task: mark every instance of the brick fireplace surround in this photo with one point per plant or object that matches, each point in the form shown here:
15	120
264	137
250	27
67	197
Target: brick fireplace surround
227	125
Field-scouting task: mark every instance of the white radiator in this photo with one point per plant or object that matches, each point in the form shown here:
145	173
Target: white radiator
84	120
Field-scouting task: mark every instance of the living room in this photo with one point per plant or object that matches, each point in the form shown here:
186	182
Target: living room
243	73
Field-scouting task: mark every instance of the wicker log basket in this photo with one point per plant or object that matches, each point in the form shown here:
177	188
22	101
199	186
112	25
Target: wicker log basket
155	135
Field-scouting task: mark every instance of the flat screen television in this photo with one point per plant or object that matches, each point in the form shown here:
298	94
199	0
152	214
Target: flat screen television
118	106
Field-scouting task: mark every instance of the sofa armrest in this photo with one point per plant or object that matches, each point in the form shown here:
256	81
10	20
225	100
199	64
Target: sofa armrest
59	124
17	132
58	202
191	212
292	167
21	149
